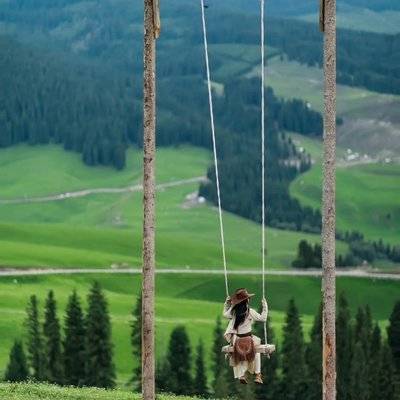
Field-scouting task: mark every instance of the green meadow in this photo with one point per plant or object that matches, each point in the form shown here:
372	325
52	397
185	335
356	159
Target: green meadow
367	195
363	19
190	299
104	229
290	79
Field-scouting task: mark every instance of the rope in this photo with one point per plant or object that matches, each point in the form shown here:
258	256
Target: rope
210	101
263	235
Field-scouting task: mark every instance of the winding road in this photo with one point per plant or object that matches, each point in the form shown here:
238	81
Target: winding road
351	273
89	192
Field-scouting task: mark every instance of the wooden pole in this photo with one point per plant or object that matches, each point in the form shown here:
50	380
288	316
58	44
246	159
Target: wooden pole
329	211
151	32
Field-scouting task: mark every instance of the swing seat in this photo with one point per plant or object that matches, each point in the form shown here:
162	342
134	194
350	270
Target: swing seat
266	349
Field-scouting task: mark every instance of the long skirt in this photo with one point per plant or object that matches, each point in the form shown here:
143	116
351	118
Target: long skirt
242	367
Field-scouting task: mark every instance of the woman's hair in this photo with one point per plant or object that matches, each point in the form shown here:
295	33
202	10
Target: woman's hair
240	311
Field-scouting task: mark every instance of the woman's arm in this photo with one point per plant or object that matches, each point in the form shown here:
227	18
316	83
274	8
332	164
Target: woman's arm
264	314
227	312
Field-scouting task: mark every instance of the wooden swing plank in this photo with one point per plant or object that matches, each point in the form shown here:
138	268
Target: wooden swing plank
262	349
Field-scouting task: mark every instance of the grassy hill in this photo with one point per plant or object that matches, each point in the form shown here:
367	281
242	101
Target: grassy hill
189	299
102	229
364	19
367	195
32	391
371	121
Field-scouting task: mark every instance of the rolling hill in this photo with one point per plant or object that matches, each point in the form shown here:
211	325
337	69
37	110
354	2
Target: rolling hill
98	230
367	193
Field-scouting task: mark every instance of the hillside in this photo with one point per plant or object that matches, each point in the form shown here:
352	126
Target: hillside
32	391
98	230
367	193
371	123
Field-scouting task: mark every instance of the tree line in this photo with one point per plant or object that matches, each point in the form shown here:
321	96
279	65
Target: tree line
368	364
368	361
302	41
359	251
81	356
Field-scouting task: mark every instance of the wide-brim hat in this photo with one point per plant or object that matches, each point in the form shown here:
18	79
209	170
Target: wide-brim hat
239	296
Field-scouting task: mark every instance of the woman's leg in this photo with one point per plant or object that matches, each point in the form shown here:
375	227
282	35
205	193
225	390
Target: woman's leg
257	360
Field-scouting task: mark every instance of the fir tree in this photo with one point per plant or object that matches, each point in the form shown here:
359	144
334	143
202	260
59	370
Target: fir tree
179	361
34	340
314	359
200	381
344	348
393	332
220	382
100	370
359	389
52	336
269	368
74	343
293	357
136	341
17	369
162	375
374	363
386	375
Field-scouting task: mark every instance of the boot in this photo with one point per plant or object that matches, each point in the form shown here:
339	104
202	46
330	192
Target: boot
243	380
258	379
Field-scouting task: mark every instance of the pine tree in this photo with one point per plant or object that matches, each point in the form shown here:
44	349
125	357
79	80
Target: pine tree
293	357
179	359
393	332
17	369
74	356
34	340
219	369
363	336
200	381
52	341
162	375
374	363
359	385
100	370
314	359
344	348
269	368
386	375
136	341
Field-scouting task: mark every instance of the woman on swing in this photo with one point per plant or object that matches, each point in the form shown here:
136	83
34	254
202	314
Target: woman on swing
239	335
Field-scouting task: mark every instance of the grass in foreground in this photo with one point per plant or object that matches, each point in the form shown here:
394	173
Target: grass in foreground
33	391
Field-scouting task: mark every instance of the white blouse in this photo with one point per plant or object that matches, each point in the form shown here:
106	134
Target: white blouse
247	324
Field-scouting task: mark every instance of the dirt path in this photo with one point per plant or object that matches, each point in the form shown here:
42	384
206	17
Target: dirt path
89	192
351	273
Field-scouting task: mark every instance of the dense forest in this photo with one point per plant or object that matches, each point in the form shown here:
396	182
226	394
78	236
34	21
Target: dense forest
98	115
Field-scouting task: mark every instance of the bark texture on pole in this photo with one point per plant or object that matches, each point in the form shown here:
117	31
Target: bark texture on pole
329	211
149	147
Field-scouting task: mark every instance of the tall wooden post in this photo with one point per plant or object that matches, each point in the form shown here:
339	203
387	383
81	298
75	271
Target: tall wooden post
151	32
328	26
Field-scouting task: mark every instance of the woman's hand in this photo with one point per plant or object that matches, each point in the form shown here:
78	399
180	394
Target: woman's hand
264	302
